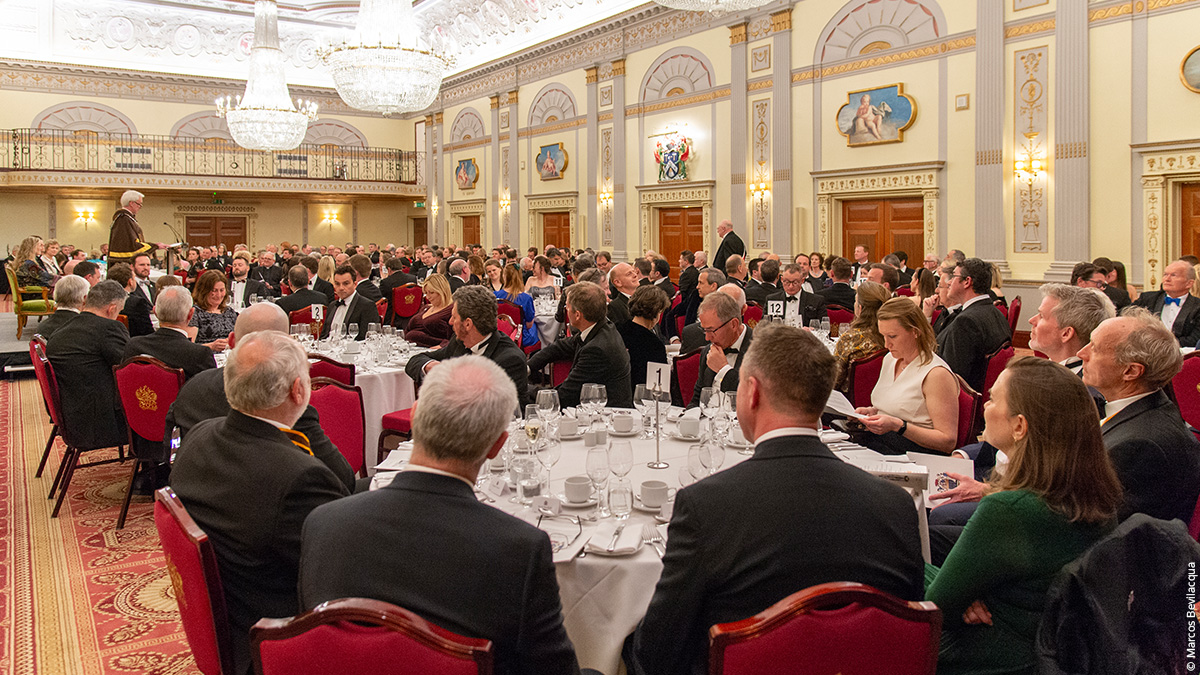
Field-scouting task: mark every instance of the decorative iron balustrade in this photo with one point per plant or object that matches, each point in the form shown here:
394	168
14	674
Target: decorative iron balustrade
59	150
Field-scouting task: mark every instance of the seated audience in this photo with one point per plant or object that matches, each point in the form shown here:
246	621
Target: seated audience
818	275
839	293
249	481
170	343
863	338
425	543
720	319
137	308
1178	309
512	290
914	406
301	297
430	327
885	275
923	285
809	519
736	270
1114	278
164	281
350	308
241	286
321	274
69	295
396	277
768	272
647	306
800	307
213	319
624	280
1056	497
595	350
88	270
48	260
268	272
542	282
996	292
660	275
977	329
27	268
83	353
364	287
1065	320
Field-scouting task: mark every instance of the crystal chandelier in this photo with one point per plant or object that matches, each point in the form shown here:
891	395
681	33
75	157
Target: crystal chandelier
717	7
385	66
265	117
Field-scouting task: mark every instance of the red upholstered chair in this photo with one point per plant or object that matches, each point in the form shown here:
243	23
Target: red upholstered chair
999	304
509	309
863	375
284	289
936	313
381	307
685	370
1014	313
996	362
340	407
304	315
356	635
147	388
192	567
323	366
406	301
905	291
398	423
124	320
839	315
182	274
1185	384
510	328
49	386
679	322
559	370
839	627
752	315
968	408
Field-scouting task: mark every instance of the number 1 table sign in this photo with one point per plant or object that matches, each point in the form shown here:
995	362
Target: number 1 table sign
658	380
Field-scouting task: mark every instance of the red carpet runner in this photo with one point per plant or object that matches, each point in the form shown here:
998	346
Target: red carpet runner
78	596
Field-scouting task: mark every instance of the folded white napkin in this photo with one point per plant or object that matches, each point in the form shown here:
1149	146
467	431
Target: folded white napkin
833	436
691	413
629	541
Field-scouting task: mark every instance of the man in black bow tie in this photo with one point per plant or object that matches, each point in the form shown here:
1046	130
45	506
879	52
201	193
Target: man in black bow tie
978	329
720	318
800	308
350	307
1174	304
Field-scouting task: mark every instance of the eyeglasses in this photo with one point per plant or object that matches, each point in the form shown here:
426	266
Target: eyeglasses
710	331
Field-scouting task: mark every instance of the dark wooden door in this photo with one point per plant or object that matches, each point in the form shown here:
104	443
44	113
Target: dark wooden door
883	225
213	230
1189	211
556	229
470	227
420	231
680	229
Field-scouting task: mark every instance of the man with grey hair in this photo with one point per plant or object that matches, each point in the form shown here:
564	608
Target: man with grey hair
69	295
693	335
731	244
1174	304
460	273
426	543
720	319
624	280
125	238
710	280
170	343
701	261
249	480
473	319
1065	320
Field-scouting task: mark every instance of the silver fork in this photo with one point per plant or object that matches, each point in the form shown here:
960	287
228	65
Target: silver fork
650	535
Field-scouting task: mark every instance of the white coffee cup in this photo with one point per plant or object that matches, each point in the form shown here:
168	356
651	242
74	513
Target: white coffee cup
577	489
655	493
622	422
689	427
568	426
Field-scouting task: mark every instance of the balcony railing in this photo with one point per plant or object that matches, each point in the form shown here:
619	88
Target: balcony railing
59	150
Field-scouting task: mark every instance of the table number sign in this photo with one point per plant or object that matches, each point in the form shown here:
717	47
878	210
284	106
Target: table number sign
658	376
775	309
318	312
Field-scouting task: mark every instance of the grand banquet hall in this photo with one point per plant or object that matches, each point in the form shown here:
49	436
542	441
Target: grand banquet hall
1032	135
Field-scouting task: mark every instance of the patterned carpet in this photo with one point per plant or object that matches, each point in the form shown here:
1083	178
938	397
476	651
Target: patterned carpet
78	596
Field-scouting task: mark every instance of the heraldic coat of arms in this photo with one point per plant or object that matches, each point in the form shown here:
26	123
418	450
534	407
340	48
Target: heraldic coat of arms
672	158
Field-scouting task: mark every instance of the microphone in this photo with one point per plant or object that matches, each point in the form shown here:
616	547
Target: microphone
174	233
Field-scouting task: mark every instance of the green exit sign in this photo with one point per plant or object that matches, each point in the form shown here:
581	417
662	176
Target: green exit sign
419	205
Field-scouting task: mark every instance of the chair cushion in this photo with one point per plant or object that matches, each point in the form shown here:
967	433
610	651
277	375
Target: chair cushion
400	421
37	306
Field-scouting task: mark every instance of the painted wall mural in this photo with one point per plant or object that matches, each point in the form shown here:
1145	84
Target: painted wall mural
551	161
877	115
672	155
467	174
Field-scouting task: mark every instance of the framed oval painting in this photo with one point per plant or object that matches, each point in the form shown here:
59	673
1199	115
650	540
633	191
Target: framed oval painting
1189	70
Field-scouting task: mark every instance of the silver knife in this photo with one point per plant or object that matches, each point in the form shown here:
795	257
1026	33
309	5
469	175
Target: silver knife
616	535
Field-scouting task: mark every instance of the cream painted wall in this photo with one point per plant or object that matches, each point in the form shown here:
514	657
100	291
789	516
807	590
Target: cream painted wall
1111	73
803	189
1028	265
959	177
1049	7
1172	36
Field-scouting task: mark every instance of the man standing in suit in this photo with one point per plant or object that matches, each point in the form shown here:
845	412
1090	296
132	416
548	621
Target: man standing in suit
473	319
720	319
977	328
249	480
1129	360
732	554
395	278
862	262
69	295
170	343
350	307
731	244
241	286
301	296
83	353
136	309
768	271
364	287
1174	304
688	274
426	543
268	272
141	273
800	307
596	350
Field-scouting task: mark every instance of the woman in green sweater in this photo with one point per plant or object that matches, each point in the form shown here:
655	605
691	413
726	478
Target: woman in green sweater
1057	495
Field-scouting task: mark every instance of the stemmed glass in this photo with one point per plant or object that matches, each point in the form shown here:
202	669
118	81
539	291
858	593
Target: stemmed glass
697	462
710	404
712	456
352	331
549	450
597	472
548	409
599	399
533	423
645	406
620	458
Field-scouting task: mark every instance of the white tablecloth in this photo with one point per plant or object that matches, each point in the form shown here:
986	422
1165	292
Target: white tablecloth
384	391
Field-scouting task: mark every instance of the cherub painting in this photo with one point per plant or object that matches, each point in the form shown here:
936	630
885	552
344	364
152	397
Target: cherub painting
466	175
551	161
879	115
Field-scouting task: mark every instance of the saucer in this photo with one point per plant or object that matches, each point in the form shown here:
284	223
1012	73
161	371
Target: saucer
686	439
591	501
738	446
637	504
570	437
623	434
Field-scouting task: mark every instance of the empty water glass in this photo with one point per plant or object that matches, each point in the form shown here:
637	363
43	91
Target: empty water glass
620	497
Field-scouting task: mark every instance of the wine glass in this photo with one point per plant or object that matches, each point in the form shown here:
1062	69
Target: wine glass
713	456
710	403
597	472
620	458
587	397
547	403
599	397
549	451
645	409
352	331
533	423
697	464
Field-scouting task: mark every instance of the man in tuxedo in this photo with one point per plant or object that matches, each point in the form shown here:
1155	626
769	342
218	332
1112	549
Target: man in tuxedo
768	271
141	274
884	275
624	279
752	267
69	295
136	309
720	319
688	274
426	543
1119	296
83	353
1174	304
731	244
473	319
693	335
268	273
800	307
660	275
809	519
170	343
596	350
364	287
1130	359
89	271
735	270
301	297
977	329
318	284
249	480
241	286
902	268
710	280
862	262
396	278
1065	320
350	307
460	274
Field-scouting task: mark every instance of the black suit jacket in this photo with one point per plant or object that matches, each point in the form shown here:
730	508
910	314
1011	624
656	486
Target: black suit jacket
362	312
301	299
1156	458
369	291
974	332
1119	297
692	337
498	347
666	286
271	276
83	353
47	327
688	279
731	244
250	489
174	349
456	283
1187	323
427	544
759	294
906	275
251	287
618	309
203	398
602	359
813	519
840	294
137	313
324	288
708	376
387	288
812	305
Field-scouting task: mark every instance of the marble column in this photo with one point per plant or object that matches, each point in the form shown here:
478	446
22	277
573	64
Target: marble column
1072	233
621	227
738	126
592	236
437	233
494	175
990	239
514	174
781	141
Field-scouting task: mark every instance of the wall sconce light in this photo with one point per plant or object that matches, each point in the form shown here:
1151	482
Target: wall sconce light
760	190
1028	170
433	207
606	198
87	217
505	201
331	218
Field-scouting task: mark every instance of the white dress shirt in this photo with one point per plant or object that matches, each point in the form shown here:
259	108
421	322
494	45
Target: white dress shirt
339	316
1171	311
237	294
720	376
786	431
1113	407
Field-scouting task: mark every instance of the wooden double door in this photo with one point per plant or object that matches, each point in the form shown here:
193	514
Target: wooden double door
680	229
884	226
214	230
420	231
1189	212
556	229
470	230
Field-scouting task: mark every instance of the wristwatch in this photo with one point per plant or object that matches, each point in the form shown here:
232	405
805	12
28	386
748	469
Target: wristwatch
903	427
